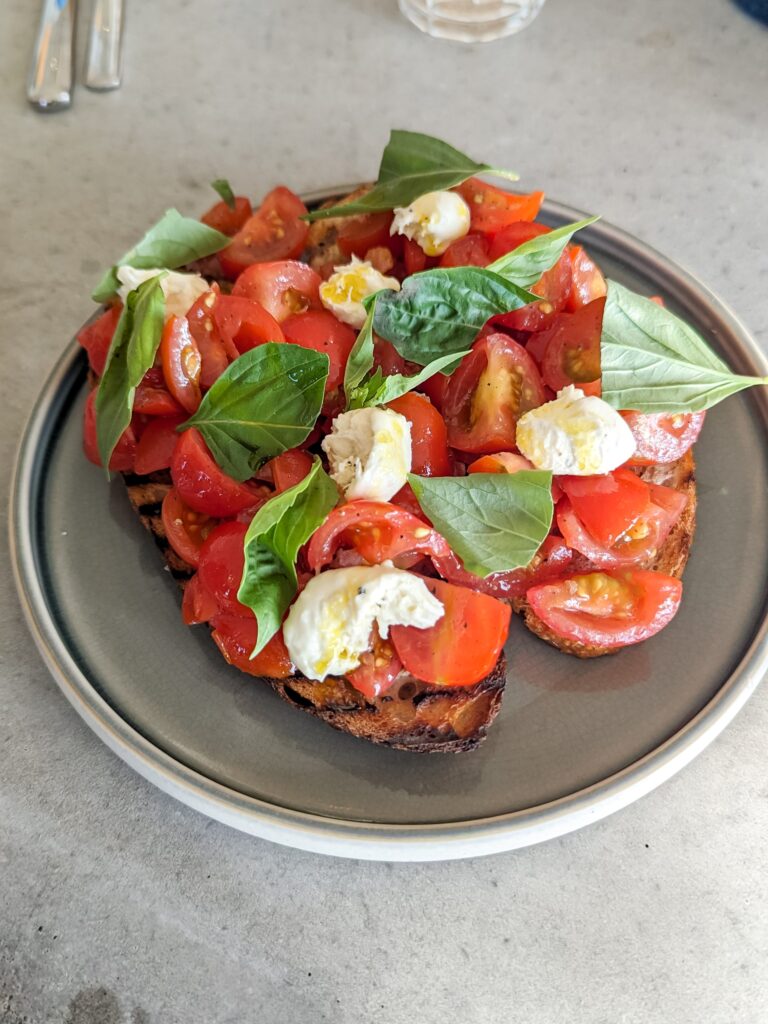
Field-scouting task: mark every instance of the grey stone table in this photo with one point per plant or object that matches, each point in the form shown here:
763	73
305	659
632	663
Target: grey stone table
119	905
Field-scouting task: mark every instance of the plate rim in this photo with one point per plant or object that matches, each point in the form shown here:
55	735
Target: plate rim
347	837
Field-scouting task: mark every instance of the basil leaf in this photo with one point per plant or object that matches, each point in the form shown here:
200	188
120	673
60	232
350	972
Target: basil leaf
378	389
412	165
361	355
222	186
652	361
493	521
438	312
265	402
131	353
271	545
171	243
525	264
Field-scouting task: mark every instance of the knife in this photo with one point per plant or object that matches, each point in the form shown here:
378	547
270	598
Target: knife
49	86
102	69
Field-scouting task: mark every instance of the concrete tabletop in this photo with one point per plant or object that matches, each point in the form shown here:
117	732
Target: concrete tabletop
119	905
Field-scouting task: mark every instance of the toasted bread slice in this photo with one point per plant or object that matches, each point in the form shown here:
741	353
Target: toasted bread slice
670	558
322	251
410	716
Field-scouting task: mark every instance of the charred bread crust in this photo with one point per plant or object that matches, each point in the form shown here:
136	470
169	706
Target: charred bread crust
670	559
322	251
411	716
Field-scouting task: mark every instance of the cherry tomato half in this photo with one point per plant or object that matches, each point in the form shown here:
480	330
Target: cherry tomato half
607	505
221	560
157	444
469	251
492	387
493	208
213	354
274	232
587	282
283	288
321	331
429	435
464	644
122	458
572	347
197	605
96	337
662	437
181	363
185	529
152	396
228	221
513	236
608	609
551	561
235	636
378	668
356	235
205	487
289	468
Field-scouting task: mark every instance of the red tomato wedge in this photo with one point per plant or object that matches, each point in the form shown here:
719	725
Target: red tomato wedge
463	646
206	488
377	530
122	458
513	236
283	288
662	437
414	257
356	235
152	397
554	287
387	358
197	605
429	435
289	468
243	324
213	355
235	636
587	282
492	387
639	544
469	251
607	505
228	221
608	609
274	232
220	566
96	337
493	208
378	668
181	363
157	444
572	347
551	561
502	462
185	529
322	332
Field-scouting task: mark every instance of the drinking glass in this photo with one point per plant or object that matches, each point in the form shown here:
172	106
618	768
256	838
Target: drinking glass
471	21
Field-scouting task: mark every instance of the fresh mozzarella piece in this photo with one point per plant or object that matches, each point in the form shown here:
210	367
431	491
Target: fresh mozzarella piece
369	451
329	626
433	221
575	435
343	293
181	291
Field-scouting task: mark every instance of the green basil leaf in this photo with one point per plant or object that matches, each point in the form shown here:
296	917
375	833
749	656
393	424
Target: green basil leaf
131	353
378	389
277	531
438	312
222	186
171	243
412	165
494	522
525	264
265	402
360	359
652	361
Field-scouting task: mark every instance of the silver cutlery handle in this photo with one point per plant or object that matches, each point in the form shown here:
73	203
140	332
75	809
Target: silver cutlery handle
49	86
102	69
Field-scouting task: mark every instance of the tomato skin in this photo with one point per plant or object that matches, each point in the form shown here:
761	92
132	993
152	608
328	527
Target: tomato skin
221	561
469	251
572	347
243	324
289	468
96	337
282	287
501	462
414	257
492	387
356	235
227	221
434	388
587	282
464	644
197	605
613	608
152	397
274	232
387	358
213	355
321	331
235	636
554	287
429	435
378	668
203	486
551	561
513	236
492	209
607	505
157	444
661	437
122	458
377	530
185	529
181	363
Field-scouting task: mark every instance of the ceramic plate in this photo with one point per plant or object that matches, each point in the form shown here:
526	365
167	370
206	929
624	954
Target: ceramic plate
575	740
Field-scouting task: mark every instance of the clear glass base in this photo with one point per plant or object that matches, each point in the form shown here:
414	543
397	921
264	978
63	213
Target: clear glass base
471	21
